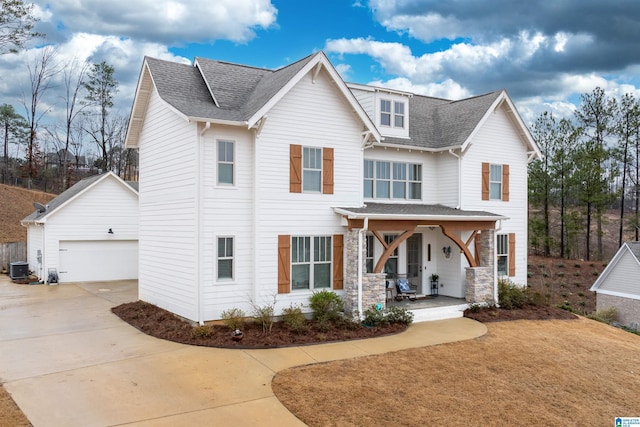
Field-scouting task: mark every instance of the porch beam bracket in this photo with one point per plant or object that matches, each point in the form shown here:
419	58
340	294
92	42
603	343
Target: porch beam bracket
463	247
392	247
380	238
470	239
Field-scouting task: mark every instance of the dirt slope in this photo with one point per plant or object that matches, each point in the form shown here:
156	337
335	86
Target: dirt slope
15	204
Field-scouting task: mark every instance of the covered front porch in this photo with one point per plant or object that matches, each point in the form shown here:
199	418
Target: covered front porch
443	253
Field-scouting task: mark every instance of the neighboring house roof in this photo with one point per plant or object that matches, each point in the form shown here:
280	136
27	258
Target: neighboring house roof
632	248
217	91
71	193
410	211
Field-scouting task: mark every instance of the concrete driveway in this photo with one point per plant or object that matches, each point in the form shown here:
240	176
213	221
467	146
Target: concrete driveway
68	361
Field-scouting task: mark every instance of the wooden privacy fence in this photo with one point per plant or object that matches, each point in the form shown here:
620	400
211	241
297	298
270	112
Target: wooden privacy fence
11	252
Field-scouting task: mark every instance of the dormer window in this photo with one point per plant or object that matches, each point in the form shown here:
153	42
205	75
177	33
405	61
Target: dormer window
392	113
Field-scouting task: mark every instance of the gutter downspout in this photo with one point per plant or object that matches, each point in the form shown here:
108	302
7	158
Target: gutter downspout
495	264
199	290
360	272
459	204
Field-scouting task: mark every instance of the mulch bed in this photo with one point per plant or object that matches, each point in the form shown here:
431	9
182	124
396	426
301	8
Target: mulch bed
529	312
160	323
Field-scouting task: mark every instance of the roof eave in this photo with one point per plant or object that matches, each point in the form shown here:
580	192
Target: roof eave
408	217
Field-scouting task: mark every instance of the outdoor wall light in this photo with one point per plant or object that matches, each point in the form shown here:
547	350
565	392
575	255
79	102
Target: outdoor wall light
110	231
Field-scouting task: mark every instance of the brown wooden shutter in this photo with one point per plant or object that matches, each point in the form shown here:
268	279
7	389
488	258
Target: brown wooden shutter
338	261
284	264
485	181
512	254
505	183
327	170
295	168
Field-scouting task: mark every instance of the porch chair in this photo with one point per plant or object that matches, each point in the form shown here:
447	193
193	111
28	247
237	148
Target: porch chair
404	290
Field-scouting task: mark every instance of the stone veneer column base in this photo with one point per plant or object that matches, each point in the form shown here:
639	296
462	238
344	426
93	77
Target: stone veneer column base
373	285
479	285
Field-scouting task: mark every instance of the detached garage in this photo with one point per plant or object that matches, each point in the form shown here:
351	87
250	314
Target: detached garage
88	233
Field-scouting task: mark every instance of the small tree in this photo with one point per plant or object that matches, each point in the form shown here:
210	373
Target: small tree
16	25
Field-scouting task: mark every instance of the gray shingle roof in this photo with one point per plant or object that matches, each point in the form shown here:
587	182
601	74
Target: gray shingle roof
634	247
239	90
438	123
67	195
417	210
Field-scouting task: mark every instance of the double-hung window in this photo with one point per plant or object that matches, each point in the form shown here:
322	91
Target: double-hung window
226	162
312	169
385	112
392	113
392	180
311	262
225	258
398	114
495	182
502	254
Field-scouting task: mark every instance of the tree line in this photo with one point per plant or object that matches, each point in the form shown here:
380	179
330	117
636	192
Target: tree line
587	179
47	154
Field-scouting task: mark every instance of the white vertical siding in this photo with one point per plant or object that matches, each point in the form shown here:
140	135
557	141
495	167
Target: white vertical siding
497	142
168	191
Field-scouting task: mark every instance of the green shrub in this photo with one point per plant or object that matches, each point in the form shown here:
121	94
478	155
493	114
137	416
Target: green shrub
399	315
373	317
293	317
607	315
511	296
566	306
326	306
233	318
377	317
201	331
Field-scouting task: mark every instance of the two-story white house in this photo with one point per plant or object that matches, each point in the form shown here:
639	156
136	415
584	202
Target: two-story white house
259	183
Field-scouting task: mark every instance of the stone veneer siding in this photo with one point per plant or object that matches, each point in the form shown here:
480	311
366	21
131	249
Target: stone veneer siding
373	285
479	281
628	309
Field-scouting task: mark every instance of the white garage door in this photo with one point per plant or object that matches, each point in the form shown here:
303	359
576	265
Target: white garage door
87	261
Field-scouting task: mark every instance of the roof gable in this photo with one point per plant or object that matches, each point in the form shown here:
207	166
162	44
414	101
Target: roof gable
73	192
220	91
630	248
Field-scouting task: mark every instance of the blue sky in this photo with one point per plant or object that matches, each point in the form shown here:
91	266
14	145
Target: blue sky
545	54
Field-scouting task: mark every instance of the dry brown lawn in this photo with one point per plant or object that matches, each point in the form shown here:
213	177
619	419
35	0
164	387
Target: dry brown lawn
10	415
15	204
543	373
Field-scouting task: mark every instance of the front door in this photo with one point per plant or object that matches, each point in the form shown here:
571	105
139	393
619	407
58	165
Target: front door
414	260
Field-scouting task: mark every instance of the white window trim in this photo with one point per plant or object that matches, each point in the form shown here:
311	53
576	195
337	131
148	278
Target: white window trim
321	169
505	254
407	181
393	113
491	165
232	163
312	263
232	279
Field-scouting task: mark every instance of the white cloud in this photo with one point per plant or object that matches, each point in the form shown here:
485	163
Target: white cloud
447	89
170	21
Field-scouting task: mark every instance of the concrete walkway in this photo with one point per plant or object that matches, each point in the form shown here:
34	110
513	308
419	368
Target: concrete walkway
68	361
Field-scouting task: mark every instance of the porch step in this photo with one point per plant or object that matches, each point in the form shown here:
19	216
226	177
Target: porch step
438	313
